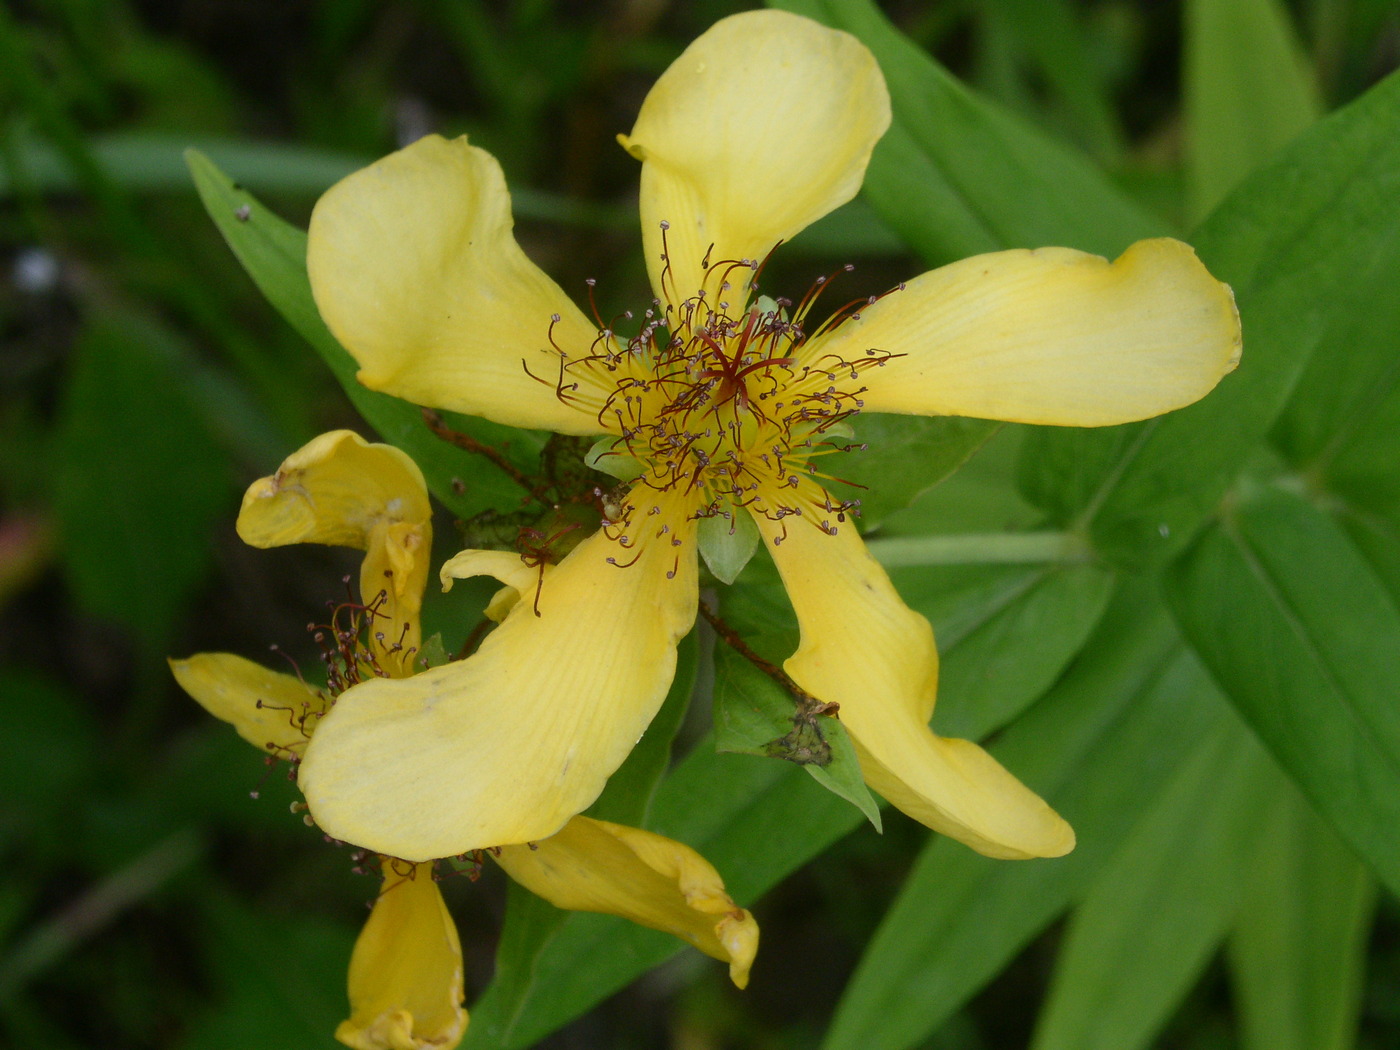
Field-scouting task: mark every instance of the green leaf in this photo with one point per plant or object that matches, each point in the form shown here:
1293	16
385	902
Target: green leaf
1378	541
1012	646
1297	954
842	774
956	175
1099	747
531	924
1306	643
274	254
1052	33
1304	242
1248	93
903	457
1341	428
1162	905
136	502
754	715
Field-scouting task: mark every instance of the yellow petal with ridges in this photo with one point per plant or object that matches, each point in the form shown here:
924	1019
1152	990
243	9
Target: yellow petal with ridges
1051	336
406	970
508	567
863	648
592	865
274	712
341	490
762	126
508	744
415	270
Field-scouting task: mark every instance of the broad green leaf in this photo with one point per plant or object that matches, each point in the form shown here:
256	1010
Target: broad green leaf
1248	93
957	175
903	457
531	923
274	254
1163	904
1359	465
1306	643
136	502
1378	541
1051	33
1099	747
1297	953
1299	242
980	497
1340	426
1012	648
756	716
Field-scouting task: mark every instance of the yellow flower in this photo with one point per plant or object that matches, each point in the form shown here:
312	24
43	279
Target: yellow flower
763	125
406	985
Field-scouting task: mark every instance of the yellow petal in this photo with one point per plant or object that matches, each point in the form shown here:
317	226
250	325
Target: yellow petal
508	744
591	865
763	125
414	268
863	648
273	712
341	490
1048	336
506	566
406	970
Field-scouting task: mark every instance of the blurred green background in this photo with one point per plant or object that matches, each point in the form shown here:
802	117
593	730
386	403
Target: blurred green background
146	899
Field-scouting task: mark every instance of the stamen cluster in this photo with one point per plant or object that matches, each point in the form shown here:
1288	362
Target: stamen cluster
351	651
721	403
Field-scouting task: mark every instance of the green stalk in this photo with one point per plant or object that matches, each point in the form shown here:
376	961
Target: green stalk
1015	548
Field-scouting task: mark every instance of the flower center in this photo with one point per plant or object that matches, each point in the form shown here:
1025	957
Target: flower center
729	403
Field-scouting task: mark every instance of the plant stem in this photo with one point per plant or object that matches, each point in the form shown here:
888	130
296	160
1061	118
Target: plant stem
1015	548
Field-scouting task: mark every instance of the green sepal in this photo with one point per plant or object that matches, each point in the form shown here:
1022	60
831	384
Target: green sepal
727	541
756	716
606	459
433	653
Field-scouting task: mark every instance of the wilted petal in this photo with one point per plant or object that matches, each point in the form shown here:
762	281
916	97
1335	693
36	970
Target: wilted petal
763	125
1047	336
340	489
273	712
510	743
591	865
863	648
416	271
406	971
